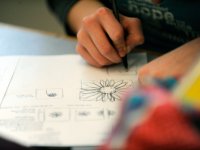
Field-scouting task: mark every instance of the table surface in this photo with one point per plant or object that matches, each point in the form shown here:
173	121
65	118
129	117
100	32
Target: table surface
22	41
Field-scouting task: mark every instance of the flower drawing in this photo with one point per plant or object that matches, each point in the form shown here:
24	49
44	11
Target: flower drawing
103	90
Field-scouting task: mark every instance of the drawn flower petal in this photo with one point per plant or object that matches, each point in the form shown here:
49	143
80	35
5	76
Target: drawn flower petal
112	97
91	86
104	97
109	97
120	84
95	90
89	90
89	96
102	83
107	83
100	97
116	96
112	82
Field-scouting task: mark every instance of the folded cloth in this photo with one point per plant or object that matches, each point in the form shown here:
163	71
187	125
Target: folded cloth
161	123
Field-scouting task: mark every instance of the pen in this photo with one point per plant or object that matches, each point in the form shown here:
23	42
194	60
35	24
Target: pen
116	14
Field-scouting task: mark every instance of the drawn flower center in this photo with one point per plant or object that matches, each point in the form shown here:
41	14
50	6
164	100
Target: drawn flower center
107	90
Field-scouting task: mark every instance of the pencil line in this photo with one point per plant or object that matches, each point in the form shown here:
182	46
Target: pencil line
9	82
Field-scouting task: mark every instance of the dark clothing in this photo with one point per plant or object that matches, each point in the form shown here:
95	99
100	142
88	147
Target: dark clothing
166	25
9	145
61	8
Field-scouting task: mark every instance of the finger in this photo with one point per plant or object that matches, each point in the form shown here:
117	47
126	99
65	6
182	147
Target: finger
134	32
83	52
99	38
88	44
143	75
113	28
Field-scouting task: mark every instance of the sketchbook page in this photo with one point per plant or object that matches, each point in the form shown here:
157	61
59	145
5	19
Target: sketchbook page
7	67
62	101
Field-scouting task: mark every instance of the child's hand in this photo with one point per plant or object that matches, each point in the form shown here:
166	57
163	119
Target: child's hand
96	31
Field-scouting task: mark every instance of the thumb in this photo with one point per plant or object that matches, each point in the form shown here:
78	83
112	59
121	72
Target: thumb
134	33
134	40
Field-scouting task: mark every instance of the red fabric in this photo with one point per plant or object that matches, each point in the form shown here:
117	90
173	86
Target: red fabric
166	129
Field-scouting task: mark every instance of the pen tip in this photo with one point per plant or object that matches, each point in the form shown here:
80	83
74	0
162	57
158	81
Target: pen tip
126	68
125	63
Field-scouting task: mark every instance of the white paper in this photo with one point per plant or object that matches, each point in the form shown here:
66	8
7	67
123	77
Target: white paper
7	68
62	101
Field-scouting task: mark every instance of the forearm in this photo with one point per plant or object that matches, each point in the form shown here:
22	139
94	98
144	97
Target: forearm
190	50
175	63
80	10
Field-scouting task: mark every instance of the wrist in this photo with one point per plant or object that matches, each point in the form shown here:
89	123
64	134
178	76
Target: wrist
79	11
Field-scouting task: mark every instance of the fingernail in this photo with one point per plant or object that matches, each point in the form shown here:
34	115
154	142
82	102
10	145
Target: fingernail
118	60
123	52
129	49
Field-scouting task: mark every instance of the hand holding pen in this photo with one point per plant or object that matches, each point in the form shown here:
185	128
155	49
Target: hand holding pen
101	27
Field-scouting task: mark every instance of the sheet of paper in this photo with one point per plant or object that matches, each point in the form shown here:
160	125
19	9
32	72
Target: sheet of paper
62	101
7	68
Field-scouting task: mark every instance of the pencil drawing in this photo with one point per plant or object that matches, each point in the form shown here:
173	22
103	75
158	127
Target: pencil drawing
89	114
83	113
51	94
111	113
104	90
55	114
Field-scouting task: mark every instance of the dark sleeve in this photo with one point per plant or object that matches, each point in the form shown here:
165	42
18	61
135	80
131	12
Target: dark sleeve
61	9
8	145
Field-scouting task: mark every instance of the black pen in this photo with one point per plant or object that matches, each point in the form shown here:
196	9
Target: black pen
116	14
